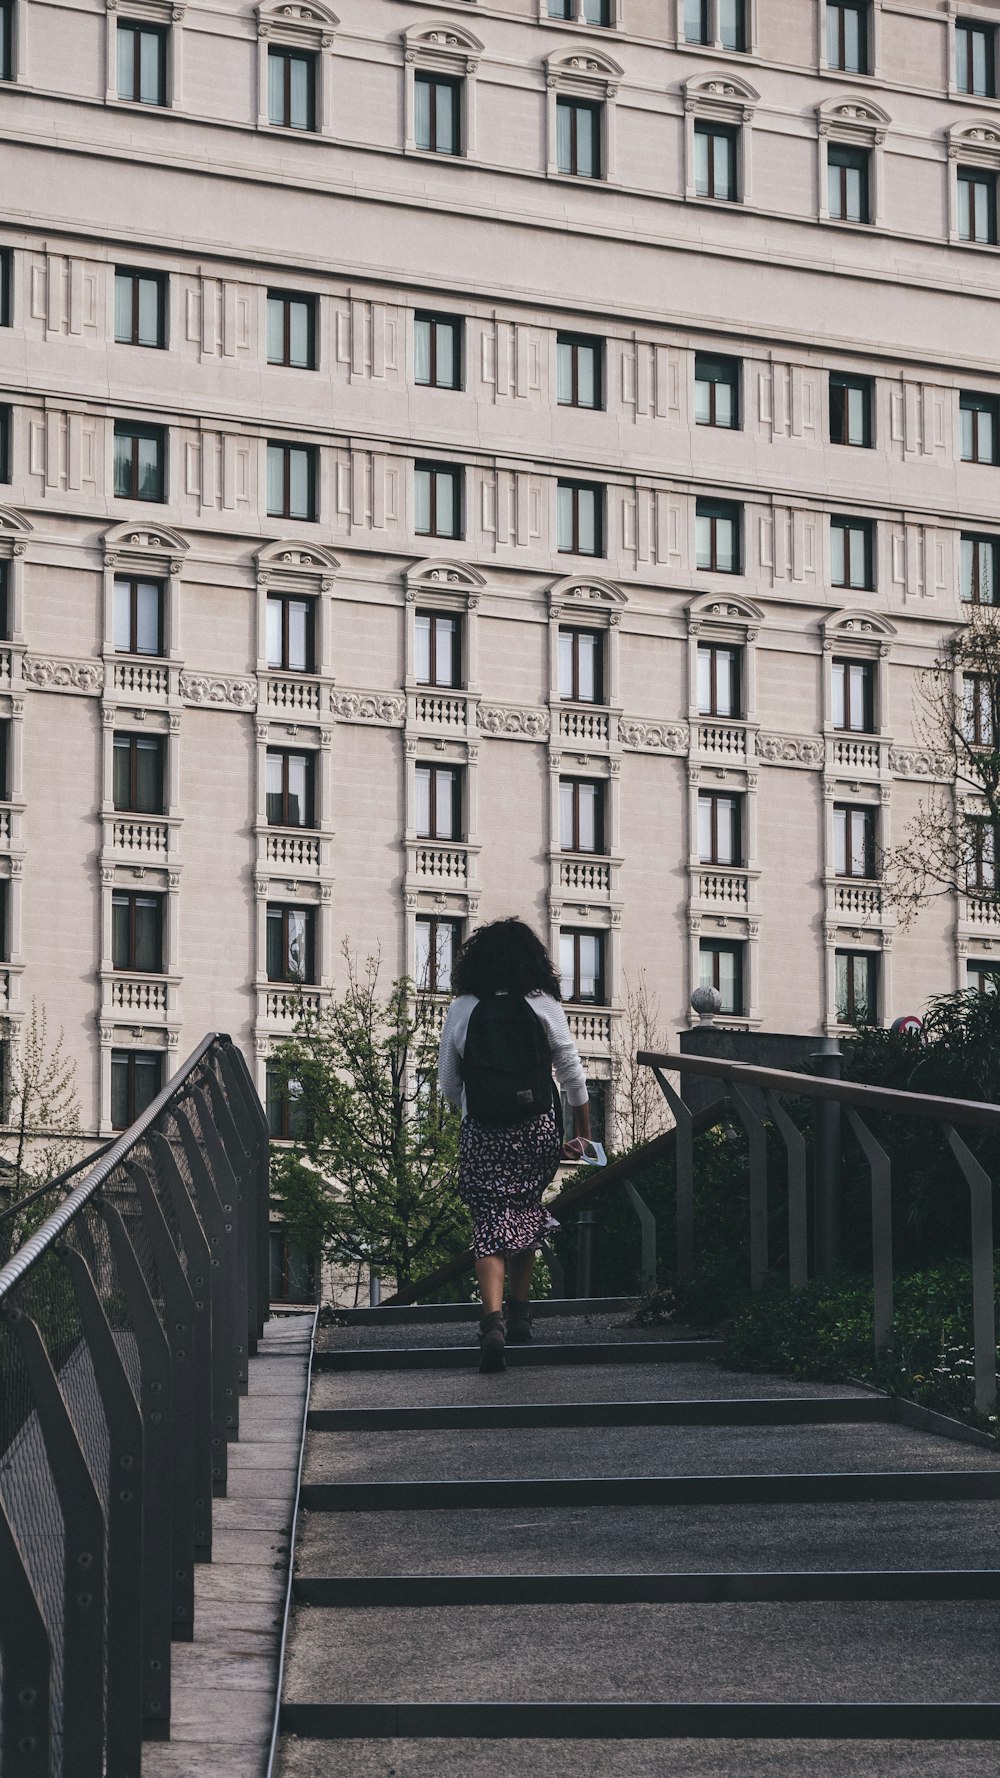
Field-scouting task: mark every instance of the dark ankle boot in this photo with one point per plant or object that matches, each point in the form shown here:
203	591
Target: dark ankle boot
491	1342
518	1322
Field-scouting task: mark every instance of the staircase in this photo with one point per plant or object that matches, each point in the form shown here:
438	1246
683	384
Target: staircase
619	1559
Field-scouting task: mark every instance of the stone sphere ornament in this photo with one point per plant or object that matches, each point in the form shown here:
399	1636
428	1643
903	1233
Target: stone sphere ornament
706	1003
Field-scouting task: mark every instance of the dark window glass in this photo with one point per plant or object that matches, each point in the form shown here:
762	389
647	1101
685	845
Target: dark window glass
847	36
437	945
438	802
980	432
581	967
438	353
136	1078
578	138
719	679
850	410
290	944
720	966
291	329
854	696
137	932
977	205
290	633
580	519
438	113
720	827
716	390
857	987
438	507
981	709
6	285
6	39
697	21
718	524
291	481
6	447
581	666
715	159
580	366
139	774
852	553
438	649
286	1120
975	58
854	841
291	88
733	24
138	615
289	788
142	62
581	815
140	308
847	182
140	459
980	564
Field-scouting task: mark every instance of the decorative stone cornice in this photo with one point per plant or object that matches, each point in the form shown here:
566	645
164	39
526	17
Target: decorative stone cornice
219	693
653	737
791	750
367	706
54	674
515	724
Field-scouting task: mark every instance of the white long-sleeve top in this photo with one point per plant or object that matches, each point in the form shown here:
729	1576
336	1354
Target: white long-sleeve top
565	1057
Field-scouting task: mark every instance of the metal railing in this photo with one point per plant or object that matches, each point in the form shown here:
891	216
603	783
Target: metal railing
126	1323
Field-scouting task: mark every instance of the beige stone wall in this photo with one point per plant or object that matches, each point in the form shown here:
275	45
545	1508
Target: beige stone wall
206	192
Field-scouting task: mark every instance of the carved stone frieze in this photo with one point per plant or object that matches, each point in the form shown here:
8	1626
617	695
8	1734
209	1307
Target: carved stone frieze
791	750
911	762
222	694
47	674
658	737
365	706
527	725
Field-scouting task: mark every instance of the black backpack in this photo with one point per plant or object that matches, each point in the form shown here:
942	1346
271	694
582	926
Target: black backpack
507	1066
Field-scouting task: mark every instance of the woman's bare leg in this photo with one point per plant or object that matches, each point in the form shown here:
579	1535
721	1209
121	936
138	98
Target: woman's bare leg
489	1271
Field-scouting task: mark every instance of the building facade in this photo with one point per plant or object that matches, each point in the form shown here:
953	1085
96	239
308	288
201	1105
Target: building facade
462	457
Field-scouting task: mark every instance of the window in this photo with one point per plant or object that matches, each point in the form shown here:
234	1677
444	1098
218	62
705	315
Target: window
977	205
140	308
581	815
138	615
715	160
981	708
975	58
581	967
290	944
438	341
720	827
847	36
136	1078
580	529
580	370
851	553
285	1111
850	410
291	88
982	975
719	679
439	802
854	696
437	945
717	535
697	21
290	633
581	666
140	454
6	281
291	329
857	987
438	649
291	481
438	113
6	39
979	566
137	932
716	390
578	138
853	841
847	182
6	451
720	966
142	62
978	418
138	774
437	500
289	788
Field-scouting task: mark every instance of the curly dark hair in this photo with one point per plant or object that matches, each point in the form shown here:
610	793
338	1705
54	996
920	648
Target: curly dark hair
504	957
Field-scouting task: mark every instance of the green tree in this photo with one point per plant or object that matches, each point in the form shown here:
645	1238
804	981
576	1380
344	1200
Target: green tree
40	1134
370	1180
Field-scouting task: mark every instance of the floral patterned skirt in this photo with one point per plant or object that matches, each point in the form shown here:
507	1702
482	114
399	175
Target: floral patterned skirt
502	1174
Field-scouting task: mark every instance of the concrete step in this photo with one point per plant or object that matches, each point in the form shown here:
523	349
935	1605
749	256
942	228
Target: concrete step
615	1382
